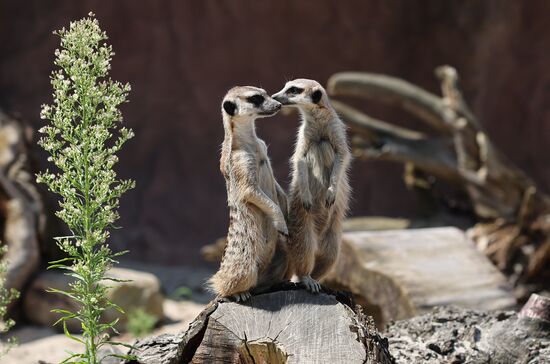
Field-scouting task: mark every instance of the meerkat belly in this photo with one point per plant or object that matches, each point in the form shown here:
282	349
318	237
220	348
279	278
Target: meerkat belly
267	185
320	158
249	232
266	180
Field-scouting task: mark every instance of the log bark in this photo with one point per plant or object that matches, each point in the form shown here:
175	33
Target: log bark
284	326
513	214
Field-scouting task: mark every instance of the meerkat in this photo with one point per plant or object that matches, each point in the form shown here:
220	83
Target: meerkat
319	192
255	253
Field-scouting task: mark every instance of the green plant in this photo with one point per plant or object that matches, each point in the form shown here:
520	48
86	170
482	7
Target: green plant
6	297
83	137
181	292
140	323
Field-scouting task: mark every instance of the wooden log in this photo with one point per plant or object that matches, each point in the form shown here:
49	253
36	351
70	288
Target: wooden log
403	273
285	326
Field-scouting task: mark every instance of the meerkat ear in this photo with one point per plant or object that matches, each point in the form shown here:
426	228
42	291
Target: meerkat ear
316	96
229	107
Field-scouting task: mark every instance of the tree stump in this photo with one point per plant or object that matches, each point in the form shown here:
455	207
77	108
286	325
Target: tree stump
286	326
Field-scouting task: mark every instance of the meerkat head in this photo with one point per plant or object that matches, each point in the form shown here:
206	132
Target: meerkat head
302	93
248	102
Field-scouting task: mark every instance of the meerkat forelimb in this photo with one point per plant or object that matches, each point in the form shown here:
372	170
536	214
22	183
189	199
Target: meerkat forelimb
257	204
319	192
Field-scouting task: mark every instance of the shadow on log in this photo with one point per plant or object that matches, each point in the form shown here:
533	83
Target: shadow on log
285	326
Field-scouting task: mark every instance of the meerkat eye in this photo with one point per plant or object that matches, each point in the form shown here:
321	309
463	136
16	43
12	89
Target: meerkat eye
256	100
294	90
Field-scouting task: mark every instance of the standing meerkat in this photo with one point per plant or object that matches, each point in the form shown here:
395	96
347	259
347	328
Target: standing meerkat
255	253
319	192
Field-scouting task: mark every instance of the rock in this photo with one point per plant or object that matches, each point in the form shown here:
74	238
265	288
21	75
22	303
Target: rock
142	290
456	335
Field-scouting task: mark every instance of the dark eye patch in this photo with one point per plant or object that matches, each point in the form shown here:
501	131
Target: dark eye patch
316	96
229	107
256	100
294	90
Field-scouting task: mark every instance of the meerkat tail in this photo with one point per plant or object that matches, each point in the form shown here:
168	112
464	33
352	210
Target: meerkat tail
233	278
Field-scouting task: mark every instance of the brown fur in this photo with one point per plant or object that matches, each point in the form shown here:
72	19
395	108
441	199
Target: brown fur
319	192
255	255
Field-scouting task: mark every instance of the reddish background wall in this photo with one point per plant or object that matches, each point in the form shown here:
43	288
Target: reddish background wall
181	57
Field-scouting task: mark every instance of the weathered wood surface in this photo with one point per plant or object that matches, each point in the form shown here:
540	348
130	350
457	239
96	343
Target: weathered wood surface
407	272
301	327
289	326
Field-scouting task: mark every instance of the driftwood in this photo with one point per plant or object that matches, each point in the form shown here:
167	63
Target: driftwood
399	274
513	214
286	326
21	205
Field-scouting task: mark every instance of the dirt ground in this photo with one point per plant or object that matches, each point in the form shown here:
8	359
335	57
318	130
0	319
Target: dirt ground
43	343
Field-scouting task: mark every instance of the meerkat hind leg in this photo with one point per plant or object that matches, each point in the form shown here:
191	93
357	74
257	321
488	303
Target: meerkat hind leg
327	254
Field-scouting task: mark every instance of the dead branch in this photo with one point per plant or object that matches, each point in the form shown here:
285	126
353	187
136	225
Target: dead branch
512	212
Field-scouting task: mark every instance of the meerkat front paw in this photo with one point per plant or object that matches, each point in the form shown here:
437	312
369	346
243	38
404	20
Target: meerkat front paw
330	197
306	203
311	284
241	297
281	228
